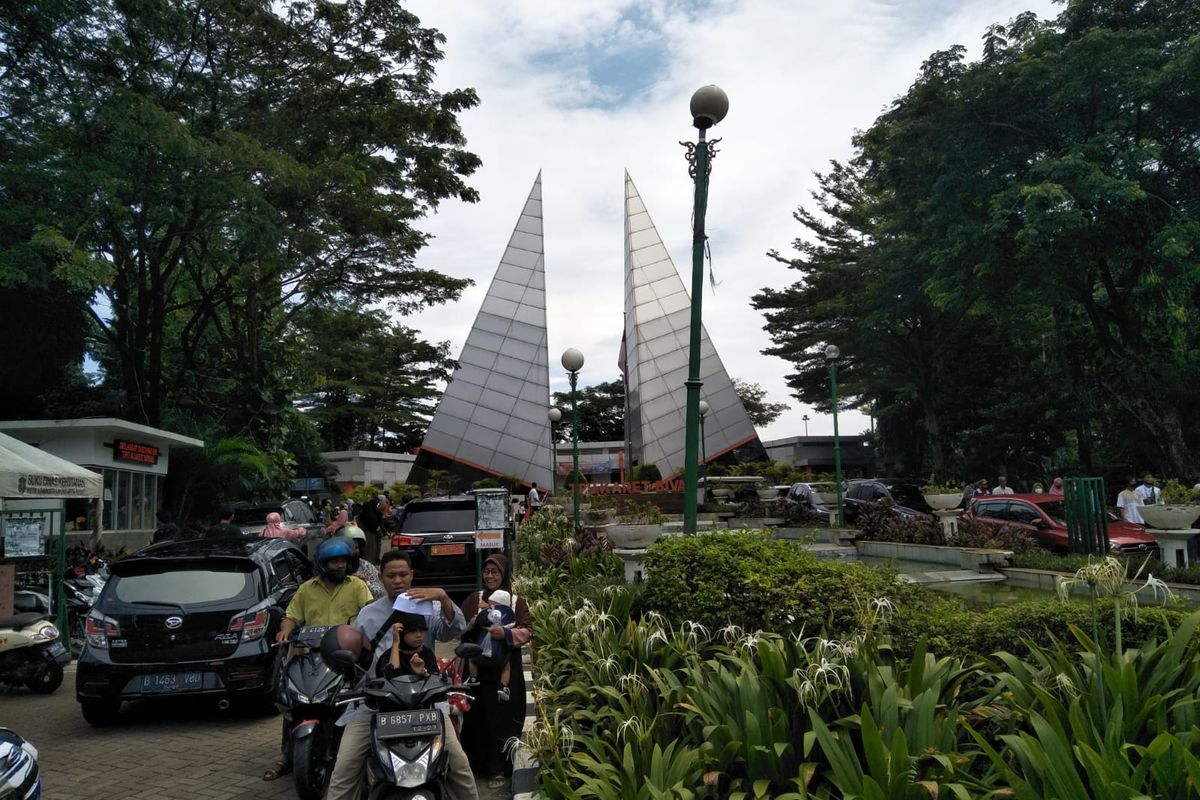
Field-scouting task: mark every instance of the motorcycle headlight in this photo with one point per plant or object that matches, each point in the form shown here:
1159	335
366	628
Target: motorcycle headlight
46	633
408	774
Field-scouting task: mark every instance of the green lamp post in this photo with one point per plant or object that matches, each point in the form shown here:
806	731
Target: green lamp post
709	106
572	361
831	355
555	417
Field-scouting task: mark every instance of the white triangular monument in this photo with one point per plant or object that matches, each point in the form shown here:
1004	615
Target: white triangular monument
655	359
492	416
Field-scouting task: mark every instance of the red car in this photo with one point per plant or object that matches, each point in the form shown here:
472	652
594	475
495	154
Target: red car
1044	517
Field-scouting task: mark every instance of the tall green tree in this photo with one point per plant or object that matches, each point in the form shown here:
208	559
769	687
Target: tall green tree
367	383
754	399
1010	260
211	167
601	413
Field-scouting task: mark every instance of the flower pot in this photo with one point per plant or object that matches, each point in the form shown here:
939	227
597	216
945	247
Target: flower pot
767	494
943	502
599	516
1169	518
828	498
632	537
722	494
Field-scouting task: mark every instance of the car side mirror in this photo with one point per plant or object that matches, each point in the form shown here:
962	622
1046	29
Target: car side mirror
1041	523
468	650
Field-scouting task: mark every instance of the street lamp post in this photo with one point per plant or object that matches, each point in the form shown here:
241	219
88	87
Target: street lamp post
555	416
572	361
831	355
709	105
703	458
805	419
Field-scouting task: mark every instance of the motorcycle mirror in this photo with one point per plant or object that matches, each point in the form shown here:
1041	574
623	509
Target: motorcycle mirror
341	660
468	650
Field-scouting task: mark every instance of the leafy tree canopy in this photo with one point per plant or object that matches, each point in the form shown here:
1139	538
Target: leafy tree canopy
1009	264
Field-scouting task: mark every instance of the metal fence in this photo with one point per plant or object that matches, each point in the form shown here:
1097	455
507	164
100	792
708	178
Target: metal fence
1087	515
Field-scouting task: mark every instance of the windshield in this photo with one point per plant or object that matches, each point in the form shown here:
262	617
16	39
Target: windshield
182	587
439	518
907	495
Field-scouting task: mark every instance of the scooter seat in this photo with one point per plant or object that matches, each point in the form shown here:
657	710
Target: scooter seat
21	620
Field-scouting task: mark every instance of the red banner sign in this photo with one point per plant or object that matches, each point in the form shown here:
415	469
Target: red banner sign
135	452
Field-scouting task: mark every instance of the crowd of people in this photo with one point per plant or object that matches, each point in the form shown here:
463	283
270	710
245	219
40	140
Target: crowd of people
1135	495
349	589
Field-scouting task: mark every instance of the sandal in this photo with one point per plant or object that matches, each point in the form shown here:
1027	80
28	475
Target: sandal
277	770
496	782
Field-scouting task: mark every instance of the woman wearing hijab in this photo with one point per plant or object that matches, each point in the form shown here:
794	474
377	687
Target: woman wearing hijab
275	529
1057	486
492	721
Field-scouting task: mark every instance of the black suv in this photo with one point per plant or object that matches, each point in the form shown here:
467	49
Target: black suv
188	618
904	499
439	534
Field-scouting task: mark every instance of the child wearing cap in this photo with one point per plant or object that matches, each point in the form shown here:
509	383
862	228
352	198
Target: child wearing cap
409	655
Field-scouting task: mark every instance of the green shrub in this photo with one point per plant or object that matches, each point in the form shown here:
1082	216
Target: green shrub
973	533
646	472
746	579
883	525
971	634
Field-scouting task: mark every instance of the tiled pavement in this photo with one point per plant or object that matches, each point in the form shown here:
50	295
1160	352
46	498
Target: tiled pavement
158	751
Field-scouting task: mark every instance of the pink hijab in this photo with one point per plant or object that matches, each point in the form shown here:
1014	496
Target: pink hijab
276	530
1057	486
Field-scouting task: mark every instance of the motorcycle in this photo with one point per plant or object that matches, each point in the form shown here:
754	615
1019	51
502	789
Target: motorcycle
20	777
81	593
308	694
408	726
31	653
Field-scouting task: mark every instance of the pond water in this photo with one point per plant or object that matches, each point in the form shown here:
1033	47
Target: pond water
979	593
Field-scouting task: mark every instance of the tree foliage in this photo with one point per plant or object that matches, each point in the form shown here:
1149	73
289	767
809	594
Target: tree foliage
601	413
215	174
1009	264
754	399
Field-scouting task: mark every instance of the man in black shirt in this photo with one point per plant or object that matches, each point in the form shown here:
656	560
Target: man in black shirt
225	528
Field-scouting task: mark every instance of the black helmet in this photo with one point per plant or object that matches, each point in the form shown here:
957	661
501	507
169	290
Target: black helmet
348	639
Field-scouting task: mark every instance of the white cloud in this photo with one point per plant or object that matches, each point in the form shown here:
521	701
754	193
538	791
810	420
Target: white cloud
802	77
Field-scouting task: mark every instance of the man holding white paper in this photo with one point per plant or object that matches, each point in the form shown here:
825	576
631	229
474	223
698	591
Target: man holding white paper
446	624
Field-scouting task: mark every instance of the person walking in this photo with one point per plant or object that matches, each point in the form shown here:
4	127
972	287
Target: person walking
374	622
333	597
363	568
167	530
533	502
1002	486
1151	494
1128	501
492	721
275	529
224	527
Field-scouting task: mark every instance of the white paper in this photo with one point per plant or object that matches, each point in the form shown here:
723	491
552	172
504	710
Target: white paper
406	603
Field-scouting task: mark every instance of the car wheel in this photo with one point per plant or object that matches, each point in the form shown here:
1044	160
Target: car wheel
48	678
100	713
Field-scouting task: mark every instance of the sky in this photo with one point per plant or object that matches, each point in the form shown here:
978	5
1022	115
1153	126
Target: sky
584	91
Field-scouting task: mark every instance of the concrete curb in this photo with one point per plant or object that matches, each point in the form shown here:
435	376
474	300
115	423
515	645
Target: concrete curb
524	777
